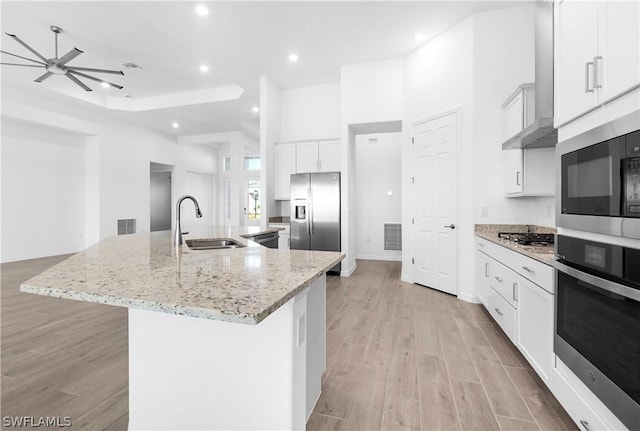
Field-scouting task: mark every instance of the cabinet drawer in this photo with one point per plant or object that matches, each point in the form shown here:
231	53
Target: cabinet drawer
538	272
503	313
503	281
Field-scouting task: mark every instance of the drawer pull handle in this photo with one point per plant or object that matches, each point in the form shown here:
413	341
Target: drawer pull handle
481	244
515	291
526	268
585	425
486	269
498	311
498	279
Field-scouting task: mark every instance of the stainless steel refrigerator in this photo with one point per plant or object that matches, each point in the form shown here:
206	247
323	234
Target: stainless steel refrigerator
315	212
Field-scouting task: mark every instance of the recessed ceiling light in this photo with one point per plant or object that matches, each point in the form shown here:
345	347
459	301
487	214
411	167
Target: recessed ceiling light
293	58
202	11
204	68
419	37
175	125
105	84
255	109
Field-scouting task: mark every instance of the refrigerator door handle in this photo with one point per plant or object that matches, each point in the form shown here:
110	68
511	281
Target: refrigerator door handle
310	217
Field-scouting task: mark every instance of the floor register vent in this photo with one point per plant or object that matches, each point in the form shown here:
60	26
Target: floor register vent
126	226
393	236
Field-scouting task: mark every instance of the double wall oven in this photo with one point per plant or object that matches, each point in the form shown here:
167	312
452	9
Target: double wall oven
597	309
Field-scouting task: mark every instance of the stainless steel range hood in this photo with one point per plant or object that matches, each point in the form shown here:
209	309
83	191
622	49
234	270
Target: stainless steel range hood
540	133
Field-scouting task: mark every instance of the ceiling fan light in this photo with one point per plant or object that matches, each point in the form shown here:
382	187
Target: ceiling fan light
175	125
204	68
105	84
293	58
255	109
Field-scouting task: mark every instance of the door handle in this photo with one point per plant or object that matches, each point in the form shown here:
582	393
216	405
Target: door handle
587	65
498	311
498	279
518	178
451	226
597	62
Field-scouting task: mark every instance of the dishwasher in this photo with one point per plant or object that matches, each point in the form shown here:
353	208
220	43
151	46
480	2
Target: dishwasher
268	239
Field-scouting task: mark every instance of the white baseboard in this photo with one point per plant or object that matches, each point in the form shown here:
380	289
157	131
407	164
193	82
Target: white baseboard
349	271
373	257
36	256
469	298
407	278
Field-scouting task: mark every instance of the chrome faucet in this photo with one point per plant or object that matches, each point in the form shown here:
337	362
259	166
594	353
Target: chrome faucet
177	238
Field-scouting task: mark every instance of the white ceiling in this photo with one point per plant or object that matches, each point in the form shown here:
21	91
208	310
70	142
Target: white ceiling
238	40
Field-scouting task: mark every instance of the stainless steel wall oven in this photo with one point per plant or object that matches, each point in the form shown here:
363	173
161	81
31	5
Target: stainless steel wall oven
597	323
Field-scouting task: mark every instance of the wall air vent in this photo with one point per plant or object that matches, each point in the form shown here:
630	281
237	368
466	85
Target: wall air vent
393	236
126	226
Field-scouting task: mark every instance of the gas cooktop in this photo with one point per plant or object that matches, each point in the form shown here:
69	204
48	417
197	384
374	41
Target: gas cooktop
528	238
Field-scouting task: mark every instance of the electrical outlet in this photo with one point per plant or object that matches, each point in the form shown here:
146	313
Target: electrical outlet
302	329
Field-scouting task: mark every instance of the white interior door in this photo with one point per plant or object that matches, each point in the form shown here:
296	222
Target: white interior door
435	197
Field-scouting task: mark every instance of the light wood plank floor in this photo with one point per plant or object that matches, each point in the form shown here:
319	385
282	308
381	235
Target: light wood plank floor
405	357
60	357
399	356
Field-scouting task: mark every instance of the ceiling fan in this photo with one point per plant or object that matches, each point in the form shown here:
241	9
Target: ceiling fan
58	66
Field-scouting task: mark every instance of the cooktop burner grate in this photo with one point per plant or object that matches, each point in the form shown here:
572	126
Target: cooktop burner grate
528	238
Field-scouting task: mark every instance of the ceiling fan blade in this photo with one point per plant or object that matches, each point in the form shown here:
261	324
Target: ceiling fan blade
119	87
24	58
77	81
89	69
43	77
18	64
17	39
68	57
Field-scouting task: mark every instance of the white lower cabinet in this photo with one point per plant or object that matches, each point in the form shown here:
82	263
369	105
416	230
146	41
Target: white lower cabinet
523	308
534	326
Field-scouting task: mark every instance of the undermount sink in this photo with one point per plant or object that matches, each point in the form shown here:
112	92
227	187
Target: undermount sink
213	243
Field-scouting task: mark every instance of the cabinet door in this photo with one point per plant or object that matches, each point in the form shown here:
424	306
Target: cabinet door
576	46
285	165
513	168
535	326
483	272
329	156
307	157
514	116
283	241
619	68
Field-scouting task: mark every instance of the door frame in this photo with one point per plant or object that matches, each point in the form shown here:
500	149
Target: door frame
414	238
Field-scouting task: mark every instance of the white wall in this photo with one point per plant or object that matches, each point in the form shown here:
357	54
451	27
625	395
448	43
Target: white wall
310	112
473	67
116	158
369	93
503	59
270	132
438	78
377	173
43	191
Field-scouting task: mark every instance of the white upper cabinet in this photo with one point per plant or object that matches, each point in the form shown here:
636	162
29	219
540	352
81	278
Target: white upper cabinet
323	156
513	172
529	172
285	164
329	156
597	55
307	158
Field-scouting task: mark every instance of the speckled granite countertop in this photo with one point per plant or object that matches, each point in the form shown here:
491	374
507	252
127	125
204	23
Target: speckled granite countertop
490	232
242	285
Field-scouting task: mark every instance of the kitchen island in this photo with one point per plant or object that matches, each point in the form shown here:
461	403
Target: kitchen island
218	339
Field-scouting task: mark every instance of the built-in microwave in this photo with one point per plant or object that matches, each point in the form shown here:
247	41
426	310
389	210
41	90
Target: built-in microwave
599	187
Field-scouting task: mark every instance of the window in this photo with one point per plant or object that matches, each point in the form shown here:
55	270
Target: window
253	200
226	164
252	163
